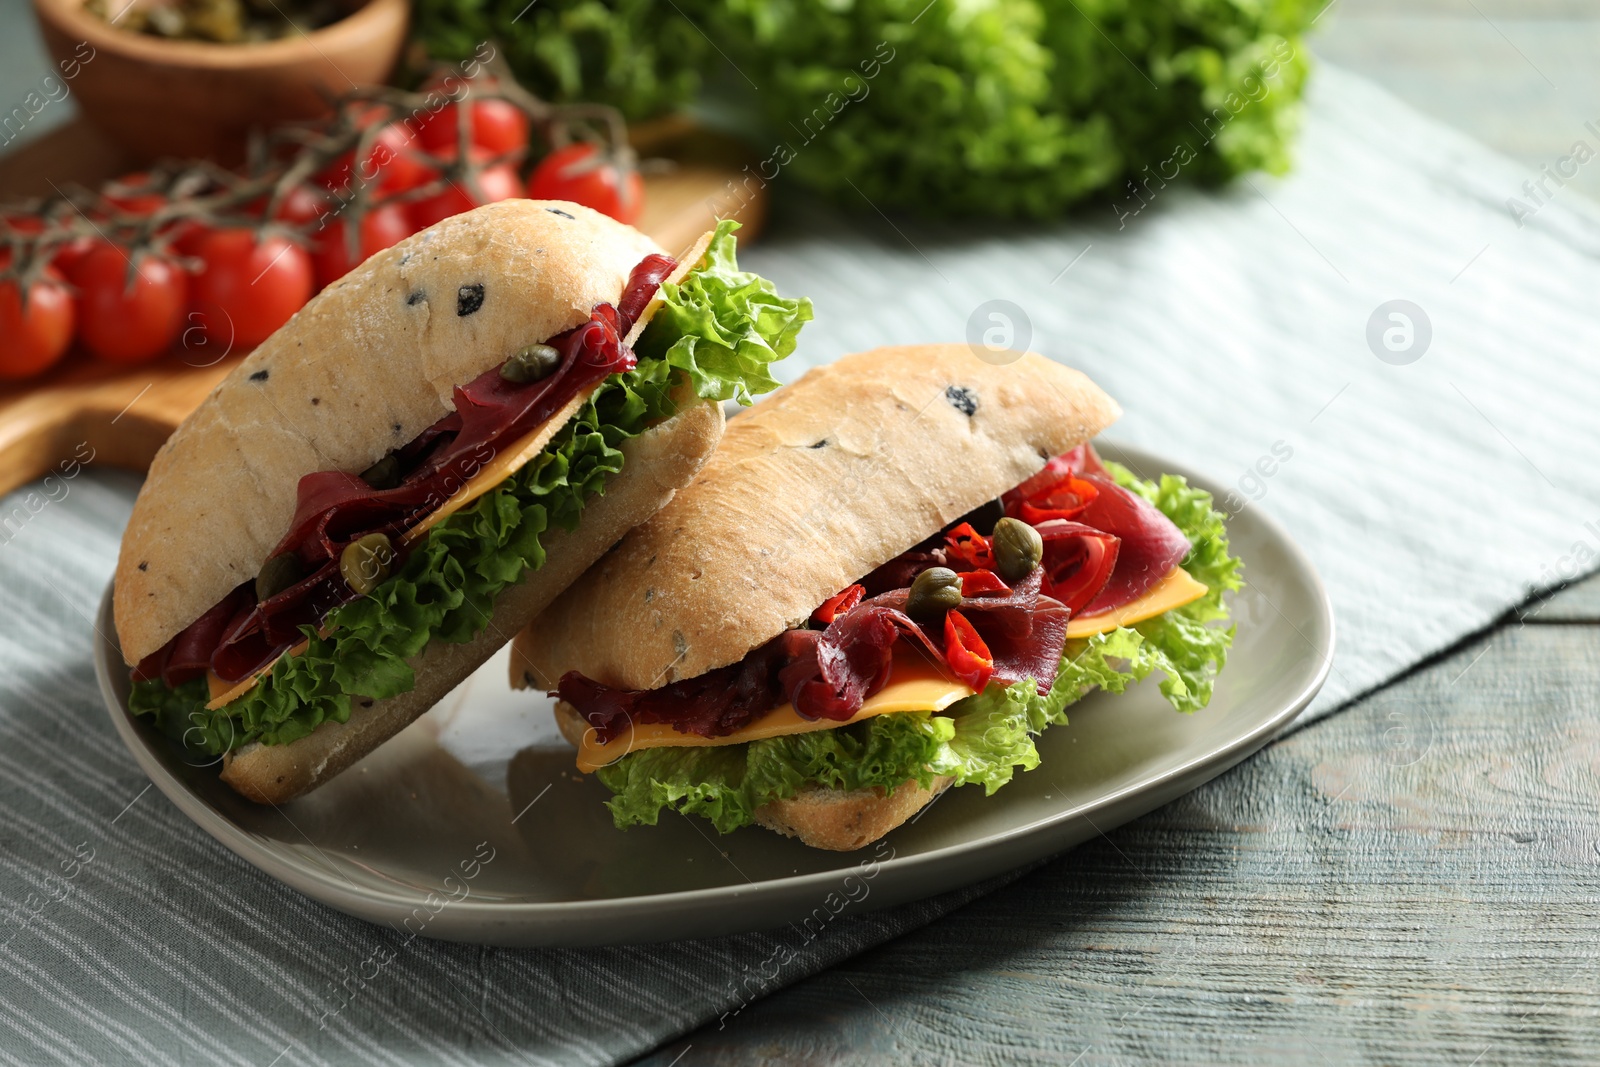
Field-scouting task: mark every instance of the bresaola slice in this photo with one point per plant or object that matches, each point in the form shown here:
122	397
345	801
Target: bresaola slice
1078	562
1151	544
334	508
1075	505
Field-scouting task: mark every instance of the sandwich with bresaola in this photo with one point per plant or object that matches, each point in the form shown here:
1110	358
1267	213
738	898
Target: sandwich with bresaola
382	493
890	578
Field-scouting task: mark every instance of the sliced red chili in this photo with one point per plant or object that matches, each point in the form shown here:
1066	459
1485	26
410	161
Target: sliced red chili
967	545
1057	492
1066	499
838	604
1078	561
966	652
974	583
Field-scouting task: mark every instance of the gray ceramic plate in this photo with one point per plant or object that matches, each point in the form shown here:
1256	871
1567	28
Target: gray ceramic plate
445	832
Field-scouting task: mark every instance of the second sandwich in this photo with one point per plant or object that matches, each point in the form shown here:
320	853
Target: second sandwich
888	579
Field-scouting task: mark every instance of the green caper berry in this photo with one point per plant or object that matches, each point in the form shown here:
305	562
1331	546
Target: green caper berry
384	474
1018	548
934	592
365	562
533	363
278	574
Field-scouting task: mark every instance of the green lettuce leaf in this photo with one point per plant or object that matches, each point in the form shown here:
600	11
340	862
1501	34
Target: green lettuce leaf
724	327
719	329
993	736
983	739
727	783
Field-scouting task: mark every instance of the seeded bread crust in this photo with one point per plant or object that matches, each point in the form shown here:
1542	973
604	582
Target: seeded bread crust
371	361
656	464
809	490
842	821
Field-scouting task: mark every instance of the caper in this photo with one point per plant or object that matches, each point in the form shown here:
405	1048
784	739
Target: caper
384	474
1018	548
278	574
533	363
365	562
934	592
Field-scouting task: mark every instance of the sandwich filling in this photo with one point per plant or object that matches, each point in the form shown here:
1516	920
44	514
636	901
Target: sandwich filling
289	650
871	693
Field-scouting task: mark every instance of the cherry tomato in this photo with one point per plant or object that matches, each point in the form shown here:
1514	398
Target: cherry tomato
303	205
498	125
581	173
247	287
189	235
68	255
330	256
32	341
135	194
391	162
122	322
498	183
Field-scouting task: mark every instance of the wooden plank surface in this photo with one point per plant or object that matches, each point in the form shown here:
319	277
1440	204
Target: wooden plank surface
1579	602
1518	75
1414	881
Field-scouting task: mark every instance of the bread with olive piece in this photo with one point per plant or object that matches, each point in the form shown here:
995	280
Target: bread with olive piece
439	309
843	471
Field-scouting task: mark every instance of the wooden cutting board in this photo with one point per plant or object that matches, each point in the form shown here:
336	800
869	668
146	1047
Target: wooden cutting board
125	413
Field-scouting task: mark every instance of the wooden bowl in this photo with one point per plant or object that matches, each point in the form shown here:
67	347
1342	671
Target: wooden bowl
195	100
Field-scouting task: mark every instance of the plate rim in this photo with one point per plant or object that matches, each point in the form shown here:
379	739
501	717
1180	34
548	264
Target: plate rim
325	886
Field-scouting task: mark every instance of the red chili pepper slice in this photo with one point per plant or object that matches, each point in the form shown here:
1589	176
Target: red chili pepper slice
1057	492
967	545
974	583
1078	561
966	652
838	604
1066	499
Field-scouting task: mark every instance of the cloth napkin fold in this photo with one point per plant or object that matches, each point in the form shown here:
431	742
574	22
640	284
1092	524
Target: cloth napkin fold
1233	327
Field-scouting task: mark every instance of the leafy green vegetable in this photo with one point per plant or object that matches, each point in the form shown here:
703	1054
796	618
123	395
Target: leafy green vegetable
644	58
982	739
962	107
724	327
727	783
1019	107
719	329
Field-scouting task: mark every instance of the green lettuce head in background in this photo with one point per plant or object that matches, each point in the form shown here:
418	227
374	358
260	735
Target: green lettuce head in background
996	108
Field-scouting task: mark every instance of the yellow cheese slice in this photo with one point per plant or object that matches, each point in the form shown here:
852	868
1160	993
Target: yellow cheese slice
1175	590
223	693
502	466
915	684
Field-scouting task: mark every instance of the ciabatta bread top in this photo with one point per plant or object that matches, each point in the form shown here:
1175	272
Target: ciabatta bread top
363	368
810	490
